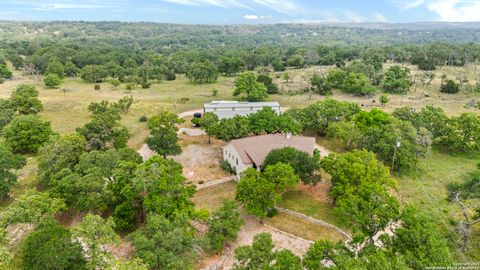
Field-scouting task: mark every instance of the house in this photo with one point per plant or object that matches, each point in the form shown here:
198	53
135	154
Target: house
252	151
229	109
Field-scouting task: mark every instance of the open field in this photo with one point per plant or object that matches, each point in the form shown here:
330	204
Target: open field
68	110
427	190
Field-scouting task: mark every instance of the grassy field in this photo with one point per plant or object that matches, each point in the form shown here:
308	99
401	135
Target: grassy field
427	190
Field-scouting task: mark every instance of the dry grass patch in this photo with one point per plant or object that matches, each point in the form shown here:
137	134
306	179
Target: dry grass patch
212	198
304	229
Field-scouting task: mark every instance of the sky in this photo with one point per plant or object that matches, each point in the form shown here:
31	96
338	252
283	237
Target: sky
243	11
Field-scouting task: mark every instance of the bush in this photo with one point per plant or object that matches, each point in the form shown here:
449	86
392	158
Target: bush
450	87
52	80
143	119
225	165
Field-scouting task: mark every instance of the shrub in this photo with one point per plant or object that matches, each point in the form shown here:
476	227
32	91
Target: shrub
450	87
143	119
52	80
225	165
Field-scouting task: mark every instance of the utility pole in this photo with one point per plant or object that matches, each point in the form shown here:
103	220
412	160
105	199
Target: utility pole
396	146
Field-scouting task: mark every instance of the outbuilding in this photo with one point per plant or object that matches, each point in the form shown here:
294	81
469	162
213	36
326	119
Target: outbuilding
229	109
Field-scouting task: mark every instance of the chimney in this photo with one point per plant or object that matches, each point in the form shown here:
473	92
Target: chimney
289	135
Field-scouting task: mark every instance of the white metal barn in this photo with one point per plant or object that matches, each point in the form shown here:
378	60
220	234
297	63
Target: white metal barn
229	109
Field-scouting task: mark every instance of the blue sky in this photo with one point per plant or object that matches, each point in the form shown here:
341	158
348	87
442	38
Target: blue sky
243	11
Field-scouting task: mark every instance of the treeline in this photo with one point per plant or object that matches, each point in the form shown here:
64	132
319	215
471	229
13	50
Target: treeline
126	61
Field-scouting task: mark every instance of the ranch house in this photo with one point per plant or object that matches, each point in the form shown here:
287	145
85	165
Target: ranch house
252	151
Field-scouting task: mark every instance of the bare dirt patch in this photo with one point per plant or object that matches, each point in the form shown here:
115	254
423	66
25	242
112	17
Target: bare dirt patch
318	192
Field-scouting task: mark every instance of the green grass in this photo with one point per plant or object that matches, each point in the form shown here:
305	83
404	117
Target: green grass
427	190
300	202
212	198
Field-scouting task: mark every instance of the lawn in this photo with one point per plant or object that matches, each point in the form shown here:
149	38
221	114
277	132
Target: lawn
304	229
212	198
303	203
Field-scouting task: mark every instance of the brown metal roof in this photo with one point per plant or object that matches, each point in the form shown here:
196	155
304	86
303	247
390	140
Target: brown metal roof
255	149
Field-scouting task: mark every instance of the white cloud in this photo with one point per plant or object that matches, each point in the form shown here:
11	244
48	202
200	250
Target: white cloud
217	3
351	16
446	10
379	17
456	10
66	6
408	4
256	17
282	6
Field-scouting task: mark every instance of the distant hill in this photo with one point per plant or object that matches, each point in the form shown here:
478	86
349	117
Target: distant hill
282	35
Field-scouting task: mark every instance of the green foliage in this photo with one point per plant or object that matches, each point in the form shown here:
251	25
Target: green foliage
24	99
104	131
202	72
51	247
168	195
296	60
231	65
209	123
165	244
26	133
360	189
86	186
430	118
223	226
55	67
336	77
7	112
52	80
397	80
348	133
95	233
132	264
260	255
358	84
248	88
420	241
304	165
384	99
449	87
371	119
8	163
463	132
382	140
320	85
256	193
319	115
225	165
5	73
31	207
163	137
124	104
94	73
272	88
232	128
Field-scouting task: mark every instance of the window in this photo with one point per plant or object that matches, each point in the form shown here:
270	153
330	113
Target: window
251	108
237	161
233	109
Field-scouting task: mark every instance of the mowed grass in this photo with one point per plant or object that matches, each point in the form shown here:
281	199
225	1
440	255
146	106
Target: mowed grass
304	229
303	203
426	189
212	198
